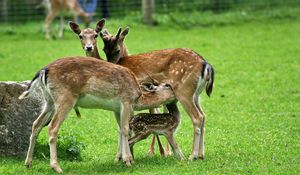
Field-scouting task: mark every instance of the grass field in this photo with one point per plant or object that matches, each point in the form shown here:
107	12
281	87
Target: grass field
253	116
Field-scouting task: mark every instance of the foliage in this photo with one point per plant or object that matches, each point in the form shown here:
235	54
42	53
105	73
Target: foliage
69	145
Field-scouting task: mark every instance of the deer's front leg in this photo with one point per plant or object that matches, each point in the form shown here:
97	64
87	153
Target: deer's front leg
126	110
48	21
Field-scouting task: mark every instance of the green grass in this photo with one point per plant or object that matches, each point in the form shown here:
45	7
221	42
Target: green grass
252	125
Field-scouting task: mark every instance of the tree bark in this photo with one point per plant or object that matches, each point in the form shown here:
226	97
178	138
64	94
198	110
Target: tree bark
148	7
4	13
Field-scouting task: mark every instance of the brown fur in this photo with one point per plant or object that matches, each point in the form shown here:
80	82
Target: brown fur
87	82
144	124
186	71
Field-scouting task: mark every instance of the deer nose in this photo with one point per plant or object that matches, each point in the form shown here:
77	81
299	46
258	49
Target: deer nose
89	48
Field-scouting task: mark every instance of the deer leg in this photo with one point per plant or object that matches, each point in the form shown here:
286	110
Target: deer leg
161	149
201	146
168	151
126	111
197	120
138	137
37	126
175	148
151	149
62	26
48	21
65	105
119	151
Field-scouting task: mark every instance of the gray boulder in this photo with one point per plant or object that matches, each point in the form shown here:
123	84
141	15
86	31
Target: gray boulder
16	117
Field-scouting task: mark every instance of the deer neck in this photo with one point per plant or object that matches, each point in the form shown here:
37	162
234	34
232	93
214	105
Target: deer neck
94	54
154	99
174	111
124	51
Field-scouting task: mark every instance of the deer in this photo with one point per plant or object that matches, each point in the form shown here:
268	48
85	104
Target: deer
53	7
144	124
187	72
89	83
88	38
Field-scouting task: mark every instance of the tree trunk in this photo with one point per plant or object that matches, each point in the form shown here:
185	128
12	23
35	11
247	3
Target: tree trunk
4	11
148	10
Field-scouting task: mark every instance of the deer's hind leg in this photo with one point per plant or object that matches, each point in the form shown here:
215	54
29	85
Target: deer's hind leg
37	126
202	134
64	104
198	119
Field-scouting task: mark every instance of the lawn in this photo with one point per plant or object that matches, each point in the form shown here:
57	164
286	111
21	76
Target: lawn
253	116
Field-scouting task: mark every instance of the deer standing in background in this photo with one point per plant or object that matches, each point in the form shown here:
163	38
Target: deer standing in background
54	7
89	44
89	83
183	69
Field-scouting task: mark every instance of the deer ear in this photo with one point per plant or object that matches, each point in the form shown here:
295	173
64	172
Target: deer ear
125	32
100	25
118	34
74	27
104	33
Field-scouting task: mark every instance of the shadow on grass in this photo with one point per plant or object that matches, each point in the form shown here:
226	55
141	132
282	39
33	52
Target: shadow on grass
140	164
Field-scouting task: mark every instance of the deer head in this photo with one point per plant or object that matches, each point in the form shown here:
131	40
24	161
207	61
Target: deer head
88	37
114	47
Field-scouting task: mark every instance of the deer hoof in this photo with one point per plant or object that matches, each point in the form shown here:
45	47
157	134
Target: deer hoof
56	168
28	164
128	160
195	157
151	153
117	158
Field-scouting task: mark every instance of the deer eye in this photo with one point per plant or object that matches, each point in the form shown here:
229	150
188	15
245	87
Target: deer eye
80	36
96	36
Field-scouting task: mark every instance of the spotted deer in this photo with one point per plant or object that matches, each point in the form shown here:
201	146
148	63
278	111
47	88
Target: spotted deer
54	7
88	38
144	124
89	83
91	45
183	69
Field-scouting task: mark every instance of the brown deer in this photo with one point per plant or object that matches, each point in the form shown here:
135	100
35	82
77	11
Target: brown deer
88	38
144	124
53	7
90	45
183	69
186	71
89	83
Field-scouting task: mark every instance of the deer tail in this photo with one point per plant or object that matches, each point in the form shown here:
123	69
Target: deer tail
210	78
40	79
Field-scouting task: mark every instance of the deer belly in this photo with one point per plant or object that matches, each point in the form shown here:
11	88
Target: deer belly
93	102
